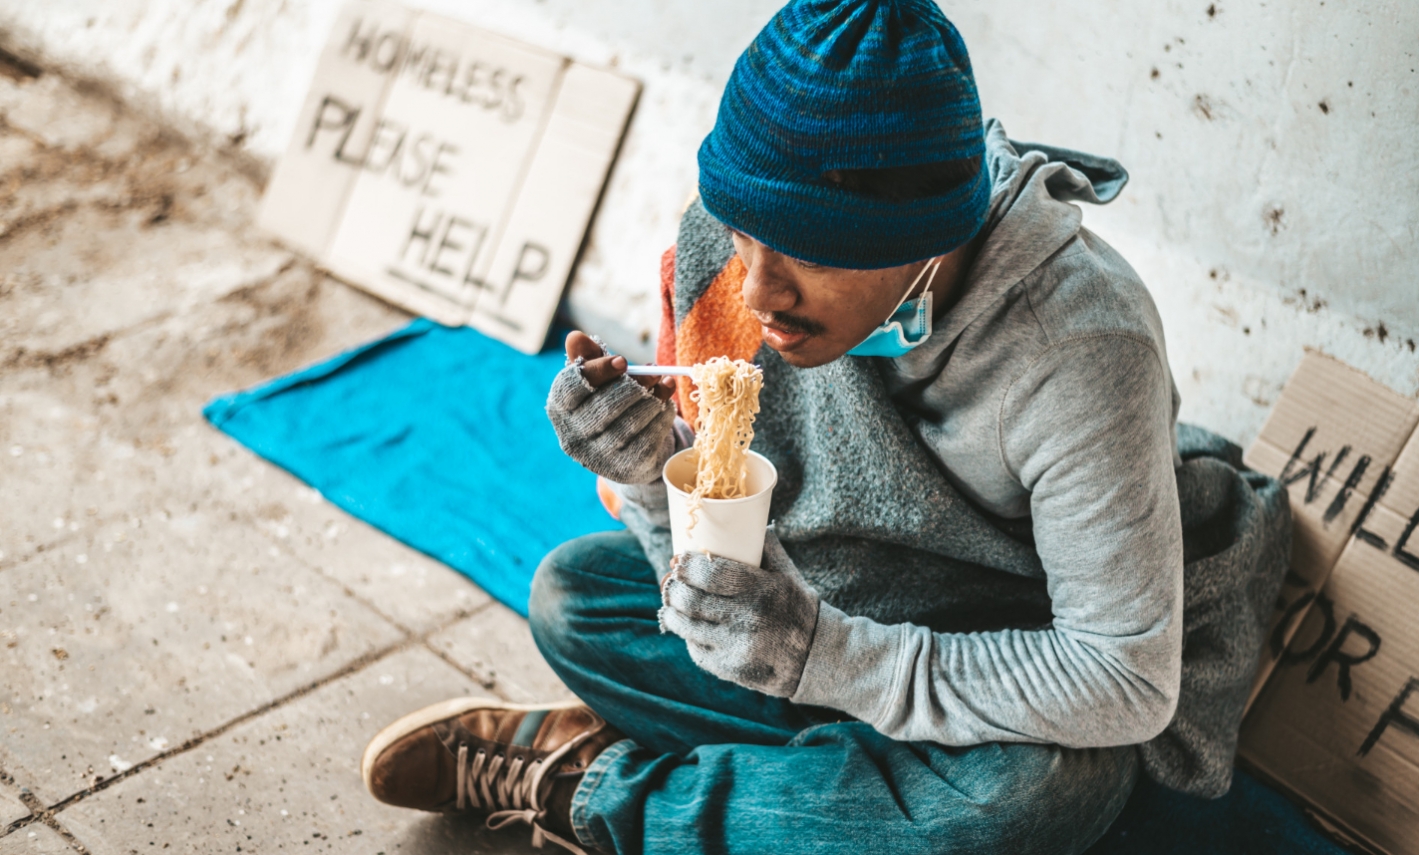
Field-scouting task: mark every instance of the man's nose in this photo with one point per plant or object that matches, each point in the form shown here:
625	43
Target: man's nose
768	290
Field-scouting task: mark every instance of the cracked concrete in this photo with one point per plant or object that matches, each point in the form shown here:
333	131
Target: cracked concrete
195	646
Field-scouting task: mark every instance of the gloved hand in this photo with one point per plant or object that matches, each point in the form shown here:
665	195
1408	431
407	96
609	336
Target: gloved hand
617	426
749	625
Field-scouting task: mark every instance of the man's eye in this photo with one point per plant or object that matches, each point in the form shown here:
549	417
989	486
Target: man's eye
807	265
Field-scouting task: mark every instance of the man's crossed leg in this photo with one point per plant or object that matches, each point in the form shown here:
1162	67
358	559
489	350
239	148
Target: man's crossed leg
669	758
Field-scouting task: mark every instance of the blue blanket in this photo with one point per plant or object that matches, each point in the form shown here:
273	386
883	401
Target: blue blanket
437	436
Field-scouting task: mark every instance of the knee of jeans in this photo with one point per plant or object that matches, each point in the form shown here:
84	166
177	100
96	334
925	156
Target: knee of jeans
562	585
548	605
576	579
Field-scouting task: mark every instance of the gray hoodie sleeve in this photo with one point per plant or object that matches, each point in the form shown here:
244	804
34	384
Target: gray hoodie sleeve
1088	430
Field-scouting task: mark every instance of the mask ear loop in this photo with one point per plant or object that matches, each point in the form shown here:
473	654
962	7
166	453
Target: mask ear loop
933	266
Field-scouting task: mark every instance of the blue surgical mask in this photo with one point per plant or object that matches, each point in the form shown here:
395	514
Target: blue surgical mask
907	326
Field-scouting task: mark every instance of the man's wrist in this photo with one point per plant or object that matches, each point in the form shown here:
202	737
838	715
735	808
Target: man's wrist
852	665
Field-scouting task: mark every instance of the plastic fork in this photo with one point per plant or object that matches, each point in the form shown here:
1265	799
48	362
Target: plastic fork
659	370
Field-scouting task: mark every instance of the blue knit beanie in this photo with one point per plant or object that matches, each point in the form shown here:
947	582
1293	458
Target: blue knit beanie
847	84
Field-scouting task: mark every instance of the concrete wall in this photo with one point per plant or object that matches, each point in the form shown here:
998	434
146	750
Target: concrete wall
1275	195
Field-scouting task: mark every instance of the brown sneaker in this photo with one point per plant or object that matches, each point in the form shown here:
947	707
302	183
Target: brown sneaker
481	754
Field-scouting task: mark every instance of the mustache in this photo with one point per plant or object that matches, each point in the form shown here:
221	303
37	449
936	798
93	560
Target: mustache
793	323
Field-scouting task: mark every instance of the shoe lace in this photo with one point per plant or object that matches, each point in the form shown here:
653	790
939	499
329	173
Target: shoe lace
512	790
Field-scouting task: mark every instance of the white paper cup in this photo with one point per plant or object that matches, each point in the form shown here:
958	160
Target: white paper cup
732	528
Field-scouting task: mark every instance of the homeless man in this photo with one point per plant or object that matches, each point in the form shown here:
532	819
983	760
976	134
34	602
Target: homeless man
1001	583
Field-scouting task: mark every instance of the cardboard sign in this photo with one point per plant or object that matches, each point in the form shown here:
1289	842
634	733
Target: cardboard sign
448	169
1329	437
1337	720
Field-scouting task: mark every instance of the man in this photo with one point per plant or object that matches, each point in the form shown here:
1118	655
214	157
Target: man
967	632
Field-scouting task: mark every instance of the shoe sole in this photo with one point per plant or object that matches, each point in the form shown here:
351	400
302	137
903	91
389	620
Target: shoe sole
406	725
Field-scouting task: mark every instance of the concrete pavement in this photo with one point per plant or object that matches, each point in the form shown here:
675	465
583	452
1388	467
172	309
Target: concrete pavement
194	646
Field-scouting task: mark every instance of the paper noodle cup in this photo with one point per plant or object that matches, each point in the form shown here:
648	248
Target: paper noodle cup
732	528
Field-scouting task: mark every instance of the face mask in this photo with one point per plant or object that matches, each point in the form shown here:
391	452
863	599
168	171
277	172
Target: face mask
907	326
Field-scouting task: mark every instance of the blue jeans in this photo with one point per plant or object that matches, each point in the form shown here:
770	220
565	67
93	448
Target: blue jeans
711	767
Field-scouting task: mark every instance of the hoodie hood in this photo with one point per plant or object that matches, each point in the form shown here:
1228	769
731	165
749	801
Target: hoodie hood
1032	214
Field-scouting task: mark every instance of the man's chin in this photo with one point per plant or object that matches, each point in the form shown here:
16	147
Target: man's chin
806	357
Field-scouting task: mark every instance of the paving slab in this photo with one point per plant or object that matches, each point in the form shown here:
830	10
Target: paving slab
66	467
39	184
299	317
11	808
15	152
56	113
66	460
58	466
94	430
72	281
35	839
158	377
108	219
290	781
407	586
496	645
412	589
416	591
134	636
70	146
198	463
42	183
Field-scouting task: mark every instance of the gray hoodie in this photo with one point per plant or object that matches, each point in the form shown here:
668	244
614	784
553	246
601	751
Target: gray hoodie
1058	407
993	521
